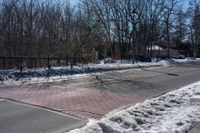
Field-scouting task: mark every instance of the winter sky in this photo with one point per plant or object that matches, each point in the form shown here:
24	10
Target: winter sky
73	1
185	2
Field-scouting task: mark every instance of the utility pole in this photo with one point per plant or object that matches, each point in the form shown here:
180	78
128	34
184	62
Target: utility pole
133	36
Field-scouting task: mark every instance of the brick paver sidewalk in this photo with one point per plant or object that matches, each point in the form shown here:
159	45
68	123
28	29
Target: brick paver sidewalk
80	102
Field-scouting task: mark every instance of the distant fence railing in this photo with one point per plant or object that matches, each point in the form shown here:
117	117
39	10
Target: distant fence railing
31	62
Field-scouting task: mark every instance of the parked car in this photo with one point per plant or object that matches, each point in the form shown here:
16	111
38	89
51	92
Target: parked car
109	60
179	56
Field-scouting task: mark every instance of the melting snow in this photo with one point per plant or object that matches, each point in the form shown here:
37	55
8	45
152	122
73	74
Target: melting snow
169	113
8	77
186	61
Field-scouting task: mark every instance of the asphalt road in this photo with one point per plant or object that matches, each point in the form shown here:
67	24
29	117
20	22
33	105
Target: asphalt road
150	82
20	118
146	83
195	128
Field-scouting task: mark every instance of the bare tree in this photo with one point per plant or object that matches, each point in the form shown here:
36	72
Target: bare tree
47	28
169	12
194	13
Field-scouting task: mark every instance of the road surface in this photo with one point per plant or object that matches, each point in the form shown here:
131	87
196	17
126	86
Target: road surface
195	128
20	118
142	82
89	96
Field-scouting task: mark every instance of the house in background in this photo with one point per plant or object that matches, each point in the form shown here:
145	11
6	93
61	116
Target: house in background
186	48
160	49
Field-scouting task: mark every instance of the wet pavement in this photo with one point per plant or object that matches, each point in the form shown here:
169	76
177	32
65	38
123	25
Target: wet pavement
89	97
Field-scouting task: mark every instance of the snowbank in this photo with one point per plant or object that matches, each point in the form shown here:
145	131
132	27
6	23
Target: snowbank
185	61
59	71
169	113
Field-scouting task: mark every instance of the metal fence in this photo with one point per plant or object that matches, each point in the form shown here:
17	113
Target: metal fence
21	63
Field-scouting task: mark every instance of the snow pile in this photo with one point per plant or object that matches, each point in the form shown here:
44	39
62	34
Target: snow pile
169	113
185	61
59	71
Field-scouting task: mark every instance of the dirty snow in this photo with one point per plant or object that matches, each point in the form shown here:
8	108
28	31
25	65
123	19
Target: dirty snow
186	61
15	75
57	72
169	113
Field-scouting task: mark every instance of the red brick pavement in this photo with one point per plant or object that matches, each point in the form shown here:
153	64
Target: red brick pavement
79	102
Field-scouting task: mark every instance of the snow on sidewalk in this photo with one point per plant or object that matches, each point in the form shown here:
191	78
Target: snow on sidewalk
85	69
169	113
57	72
